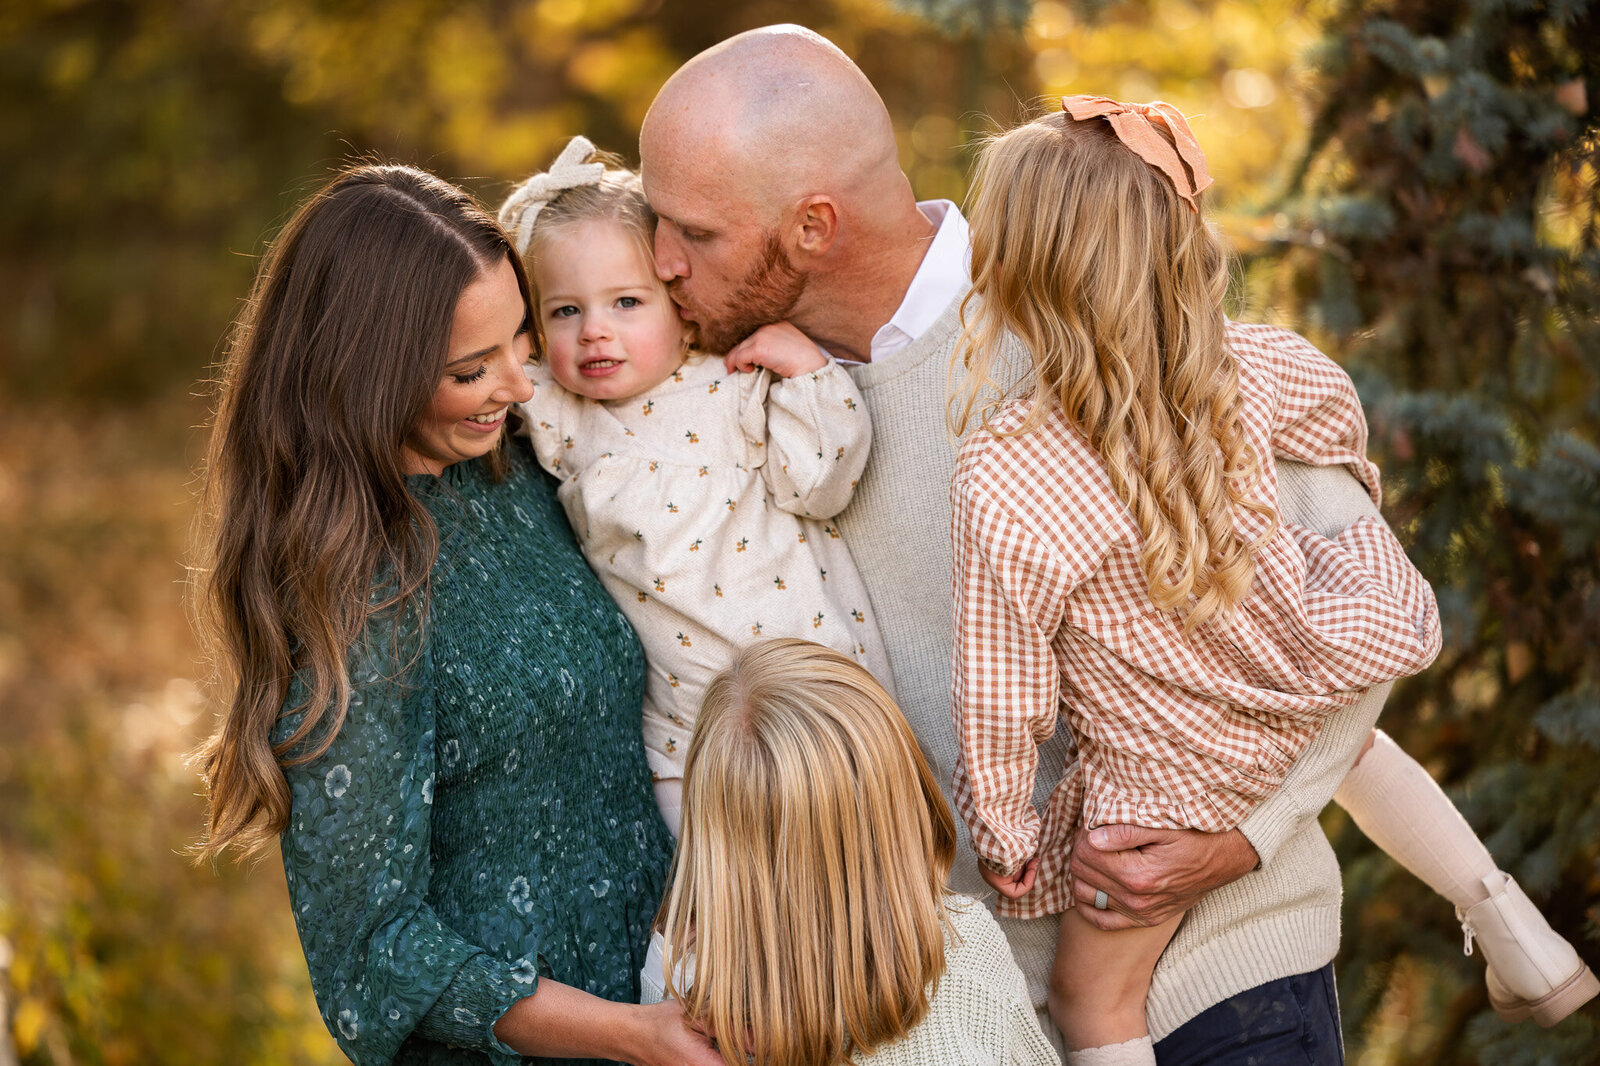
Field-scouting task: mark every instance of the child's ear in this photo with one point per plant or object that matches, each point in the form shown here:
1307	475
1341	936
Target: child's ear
816	225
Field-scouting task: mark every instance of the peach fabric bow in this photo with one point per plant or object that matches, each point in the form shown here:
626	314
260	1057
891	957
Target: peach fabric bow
1134	125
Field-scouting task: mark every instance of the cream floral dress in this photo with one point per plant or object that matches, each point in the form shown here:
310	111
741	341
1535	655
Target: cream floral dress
705	507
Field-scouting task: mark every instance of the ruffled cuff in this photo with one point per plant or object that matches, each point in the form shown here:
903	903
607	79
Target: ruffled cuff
481	991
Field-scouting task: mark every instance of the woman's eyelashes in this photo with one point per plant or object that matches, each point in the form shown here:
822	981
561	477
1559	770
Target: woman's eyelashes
468	379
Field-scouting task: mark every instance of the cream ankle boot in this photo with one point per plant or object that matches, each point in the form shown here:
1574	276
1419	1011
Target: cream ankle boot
1532	971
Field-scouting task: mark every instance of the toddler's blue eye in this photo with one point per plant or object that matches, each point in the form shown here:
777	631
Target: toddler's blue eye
628	301
564	311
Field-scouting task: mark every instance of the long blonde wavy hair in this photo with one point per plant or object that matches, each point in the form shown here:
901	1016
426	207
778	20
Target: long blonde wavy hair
809	880
1086	254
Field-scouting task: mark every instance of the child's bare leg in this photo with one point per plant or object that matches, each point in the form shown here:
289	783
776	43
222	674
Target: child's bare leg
1100	979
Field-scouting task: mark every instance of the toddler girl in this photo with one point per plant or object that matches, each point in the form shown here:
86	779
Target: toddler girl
1120	562
809	891
700	495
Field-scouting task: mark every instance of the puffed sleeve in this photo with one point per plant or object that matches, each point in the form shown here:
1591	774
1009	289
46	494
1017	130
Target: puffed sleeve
1010	596
545	417
815	433
1317	416
357	860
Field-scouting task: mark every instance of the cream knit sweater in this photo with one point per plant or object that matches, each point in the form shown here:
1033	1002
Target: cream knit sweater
1278	921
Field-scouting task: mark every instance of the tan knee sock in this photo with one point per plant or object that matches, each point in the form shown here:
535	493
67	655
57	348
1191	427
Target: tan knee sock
1402	810
1140	1052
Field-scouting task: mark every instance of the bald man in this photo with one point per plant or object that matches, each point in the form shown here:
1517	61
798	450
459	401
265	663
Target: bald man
772	164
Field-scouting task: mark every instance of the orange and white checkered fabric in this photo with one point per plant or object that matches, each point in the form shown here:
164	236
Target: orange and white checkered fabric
1053	619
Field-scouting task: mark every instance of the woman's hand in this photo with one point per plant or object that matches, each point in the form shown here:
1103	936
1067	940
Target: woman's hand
560	1021
669	1040
780	347
1012	886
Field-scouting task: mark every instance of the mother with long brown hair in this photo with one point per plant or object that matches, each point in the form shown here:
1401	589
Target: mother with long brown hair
432	702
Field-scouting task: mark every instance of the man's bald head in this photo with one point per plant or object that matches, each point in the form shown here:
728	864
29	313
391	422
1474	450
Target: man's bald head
783	112
771	163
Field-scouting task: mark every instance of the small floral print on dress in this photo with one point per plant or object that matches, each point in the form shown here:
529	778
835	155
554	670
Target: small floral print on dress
661	586
850	403
684	641
672	745
713	386
672	679
778	581
731	504
672	508
744	542
654	466
816	623
638	535
831	532
643	596
717	589
801	537
836	458
677	375
755	630
857	615
649	405
695	546
704	470
691	436
824	574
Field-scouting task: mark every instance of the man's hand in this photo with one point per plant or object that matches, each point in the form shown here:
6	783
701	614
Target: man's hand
780	347
1150	875
1016	885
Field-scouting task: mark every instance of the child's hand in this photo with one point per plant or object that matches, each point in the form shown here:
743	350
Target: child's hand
1016	885
780	347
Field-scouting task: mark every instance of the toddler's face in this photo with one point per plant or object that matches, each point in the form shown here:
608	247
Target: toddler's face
610	331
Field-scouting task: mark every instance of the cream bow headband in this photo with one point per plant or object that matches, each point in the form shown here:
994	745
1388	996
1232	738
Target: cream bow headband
569	171
1134	125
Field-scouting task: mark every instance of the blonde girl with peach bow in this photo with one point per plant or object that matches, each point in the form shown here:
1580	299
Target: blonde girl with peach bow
1121	566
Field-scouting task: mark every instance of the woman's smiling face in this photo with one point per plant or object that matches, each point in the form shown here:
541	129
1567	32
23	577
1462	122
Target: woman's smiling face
483	376
610	331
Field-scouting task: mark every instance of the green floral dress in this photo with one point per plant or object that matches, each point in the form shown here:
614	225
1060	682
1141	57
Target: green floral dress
486	819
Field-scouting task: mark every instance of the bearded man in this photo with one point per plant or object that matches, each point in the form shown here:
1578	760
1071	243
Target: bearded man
772	164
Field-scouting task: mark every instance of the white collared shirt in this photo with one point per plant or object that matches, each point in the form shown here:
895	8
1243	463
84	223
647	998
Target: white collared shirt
945	272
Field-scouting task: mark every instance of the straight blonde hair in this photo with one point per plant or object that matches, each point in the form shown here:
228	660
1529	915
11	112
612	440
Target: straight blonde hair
809	881
1115	286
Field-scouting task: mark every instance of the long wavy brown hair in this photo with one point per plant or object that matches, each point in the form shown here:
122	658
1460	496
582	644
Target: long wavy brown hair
306	528
1086	254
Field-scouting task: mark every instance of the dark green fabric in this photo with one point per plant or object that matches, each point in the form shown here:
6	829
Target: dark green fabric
486	818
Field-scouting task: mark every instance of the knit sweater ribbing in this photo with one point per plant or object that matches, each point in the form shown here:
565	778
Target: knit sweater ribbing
1278	921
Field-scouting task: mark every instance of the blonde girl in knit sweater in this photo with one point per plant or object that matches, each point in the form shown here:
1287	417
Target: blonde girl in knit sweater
808	914
1120	565
701	488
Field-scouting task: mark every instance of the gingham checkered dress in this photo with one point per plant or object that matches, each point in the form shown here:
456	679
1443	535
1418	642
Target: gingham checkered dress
1053	617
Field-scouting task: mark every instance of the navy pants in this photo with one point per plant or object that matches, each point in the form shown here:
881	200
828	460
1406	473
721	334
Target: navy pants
1290	1022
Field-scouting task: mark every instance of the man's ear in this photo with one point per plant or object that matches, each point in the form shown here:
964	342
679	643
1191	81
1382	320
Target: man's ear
816	225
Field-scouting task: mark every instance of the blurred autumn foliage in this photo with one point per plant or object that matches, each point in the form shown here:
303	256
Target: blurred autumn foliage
153	145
